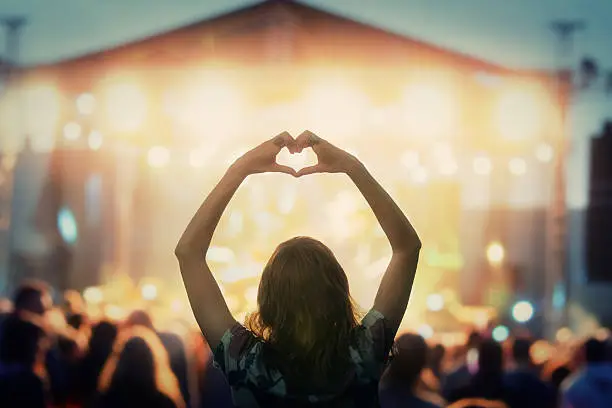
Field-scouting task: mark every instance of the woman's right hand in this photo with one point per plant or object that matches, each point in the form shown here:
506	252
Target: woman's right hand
330	159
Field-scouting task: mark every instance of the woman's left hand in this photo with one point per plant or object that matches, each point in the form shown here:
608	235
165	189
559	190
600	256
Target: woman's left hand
262	159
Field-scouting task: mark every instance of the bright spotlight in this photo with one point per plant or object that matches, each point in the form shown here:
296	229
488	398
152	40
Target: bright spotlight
517	166
158	156
126	107
519	116
500	334
86	104
482	165
522	311
95	140
426	331
93	295
435	302
149	291
495	253
72	131
544	152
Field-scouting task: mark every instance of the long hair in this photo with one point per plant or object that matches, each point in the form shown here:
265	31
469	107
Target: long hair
306	315
140	361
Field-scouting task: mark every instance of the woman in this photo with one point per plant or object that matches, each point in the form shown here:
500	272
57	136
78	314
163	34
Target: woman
304	345
138	374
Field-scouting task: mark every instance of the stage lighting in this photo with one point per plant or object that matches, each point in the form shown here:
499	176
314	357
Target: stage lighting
426	331
564	335
67	226
522	311
482	165
430	111
495	253
95	140
158	156
517	166
500	333
544	152
149	291
86	104
519	115
72	131
93	295
435	302
126	107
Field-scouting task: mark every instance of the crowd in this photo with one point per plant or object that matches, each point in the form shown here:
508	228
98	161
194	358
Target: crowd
82	362
306	345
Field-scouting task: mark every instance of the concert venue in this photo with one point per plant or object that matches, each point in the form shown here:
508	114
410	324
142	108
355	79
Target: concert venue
127	142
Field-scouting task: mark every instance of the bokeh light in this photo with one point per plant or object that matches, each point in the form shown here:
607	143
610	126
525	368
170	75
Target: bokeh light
93	295
544	152
86	104
149	291
435	302
482	165
158	157
72	131
95	140
67	226
500	333
495	253
564	335
426	331
522	311
517	166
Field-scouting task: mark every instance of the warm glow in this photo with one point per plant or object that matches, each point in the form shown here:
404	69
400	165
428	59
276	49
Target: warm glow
564	335
149	291
435	302
86	104
519	115
115	312
540	352
425	331
72	131
126	107
430	110
158	156
517	166
495	253
544	152
482	165
93	295
419	175
95	140
410	159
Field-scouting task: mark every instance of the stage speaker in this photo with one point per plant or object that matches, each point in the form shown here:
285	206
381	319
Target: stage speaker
599	211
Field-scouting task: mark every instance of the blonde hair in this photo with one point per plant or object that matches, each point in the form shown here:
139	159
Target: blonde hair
165	380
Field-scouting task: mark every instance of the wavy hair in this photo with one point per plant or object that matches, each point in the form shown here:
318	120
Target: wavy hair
306	315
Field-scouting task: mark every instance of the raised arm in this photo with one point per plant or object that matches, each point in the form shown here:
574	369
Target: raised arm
396	285
209	307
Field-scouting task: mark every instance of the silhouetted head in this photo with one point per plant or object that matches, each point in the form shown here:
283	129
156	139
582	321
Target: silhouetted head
305	309
436	356
33	297
139	318
490	358
102	338
474	340
20	341
520	351
409	357
594	351
139	364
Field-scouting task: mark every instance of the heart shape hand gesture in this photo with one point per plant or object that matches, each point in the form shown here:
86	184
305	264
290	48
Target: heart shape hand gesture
262	159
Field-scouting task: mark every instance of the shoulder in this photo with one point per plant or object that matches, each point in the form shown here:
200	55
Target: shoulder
370	345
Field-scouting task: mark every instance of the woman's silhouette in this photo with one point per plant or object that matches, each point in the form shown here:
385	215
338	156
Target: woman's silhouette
305	345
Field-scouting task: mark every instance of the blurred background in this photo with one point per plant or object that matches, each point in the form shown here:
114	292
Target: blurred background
485	120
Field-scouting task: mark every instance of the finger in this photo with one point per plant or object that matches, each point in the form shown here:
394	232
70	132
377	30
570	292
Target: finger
283	139
306	139
309	170
279	168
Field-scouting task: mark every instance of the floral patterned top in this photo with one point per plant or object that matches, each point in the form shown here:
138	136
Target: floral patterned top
254	384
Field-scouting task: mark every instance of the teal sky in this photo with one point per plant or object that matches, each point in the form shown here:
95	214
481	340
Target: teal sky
511	32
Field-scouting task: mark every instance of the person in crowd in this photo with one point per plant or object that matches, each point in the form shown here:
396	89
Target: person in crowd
100	346
461	374
138	374
214	390
488	382
33	297
591	385
305	344
432	374
526	388
22	349
178	361
139	318
399	385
